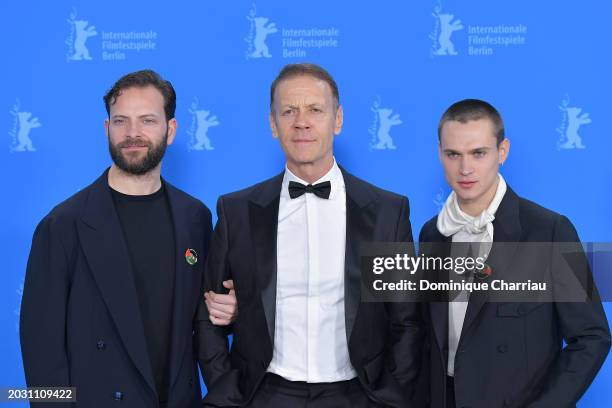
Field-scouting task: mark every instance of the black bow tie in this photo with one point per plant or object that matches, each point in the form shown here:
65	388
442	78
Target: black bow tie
321	190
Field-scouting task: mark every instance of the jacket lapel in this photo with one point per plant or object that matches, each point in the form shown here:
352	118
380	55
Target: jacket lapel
360	222
263	220
105	249
263	216
439	310
184	218
507	229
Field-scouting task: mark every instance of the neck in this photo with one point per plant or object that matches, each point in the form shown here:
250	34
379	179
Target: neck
476	207
311	172
132	184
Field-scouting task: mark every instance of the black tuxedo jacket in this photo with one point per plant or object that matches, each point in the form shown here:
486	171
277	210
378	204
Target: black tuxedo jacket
80	317
384	340
512	354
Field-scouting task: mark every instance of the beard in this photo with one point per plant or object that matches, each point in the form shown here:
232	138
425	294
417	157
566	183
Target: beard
152	158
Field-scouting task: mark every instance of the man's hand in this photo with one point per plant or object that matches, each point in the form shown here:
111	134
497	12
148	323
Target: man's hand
222	309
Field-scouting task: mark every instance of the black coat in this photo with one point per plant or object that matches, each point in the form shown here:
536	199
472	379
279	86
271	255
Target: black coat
384	339
80	317
512	354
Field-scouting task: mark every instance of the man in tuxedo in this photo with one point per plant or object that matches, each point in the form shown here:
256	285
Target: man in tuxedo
115	273
505	354
291	244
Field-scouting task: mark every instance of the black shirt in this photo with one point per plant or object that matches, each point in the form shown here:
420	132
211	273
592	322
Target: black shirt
149	233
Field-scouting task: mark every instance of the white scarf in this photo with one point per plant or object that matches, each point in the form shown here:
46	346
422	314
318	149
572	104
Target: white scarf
452	220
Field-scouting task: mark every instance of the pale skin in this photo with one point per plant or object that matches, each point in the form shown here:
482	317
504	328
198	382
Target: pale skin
138	113
305	117
222	309
471	158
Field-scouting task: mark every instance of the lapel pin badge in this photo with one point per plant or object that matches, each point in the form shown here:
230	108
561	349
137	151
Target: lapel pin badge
484	272
191	256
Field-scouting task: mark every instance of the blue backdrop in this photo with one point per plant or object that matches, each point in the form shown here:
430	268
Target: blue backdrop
399	64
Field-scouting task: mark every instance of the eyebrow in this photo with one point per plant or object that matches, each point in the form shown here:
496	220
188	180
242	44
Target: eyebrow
293	106
141	116
477	149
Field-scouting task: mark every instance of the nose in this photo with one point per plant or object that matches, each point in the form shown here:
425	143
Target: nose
465	167
301	120
133	129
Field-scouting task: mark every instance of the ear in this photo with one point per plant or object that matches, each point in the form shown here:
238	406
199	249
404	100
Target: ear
172	125
339	120
273	125
504	150
106	125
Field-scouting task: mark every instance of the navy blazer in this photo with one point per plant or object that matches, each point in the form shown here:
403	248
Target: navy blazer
384	339
512	354
80	319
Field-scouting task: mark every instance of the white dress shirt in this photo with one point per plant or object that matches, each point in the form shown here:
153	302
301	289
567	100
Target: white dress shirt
466	228
310	334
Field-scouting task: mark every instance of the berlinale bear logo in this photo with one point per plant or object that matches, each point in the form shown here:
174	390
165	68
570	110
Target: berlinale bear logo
80	31
23	123
381	127
258	33
573	119
200	123
444	27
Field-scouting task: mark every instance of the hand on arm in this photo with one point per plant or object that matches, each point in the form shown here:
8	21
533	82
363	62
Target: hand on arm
222	309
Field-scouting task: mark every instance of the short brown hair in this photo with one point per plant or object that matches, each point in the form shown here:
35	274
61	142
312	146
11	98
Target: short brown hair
473	109
304	68
142	79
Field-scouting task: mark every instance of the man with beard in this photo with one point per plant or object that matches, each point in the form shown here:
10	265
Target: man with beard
115	272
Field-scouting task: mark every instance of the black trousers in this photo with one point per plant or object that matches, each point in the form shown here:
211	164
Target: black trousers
450	392
276	392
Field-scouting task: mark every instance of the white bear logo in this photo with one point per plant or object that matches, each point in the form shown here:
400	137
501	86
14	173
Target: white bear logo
83	32
199	128
444	28
573	119
383	121
20	133
447	28
260	29
80	33
439	200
